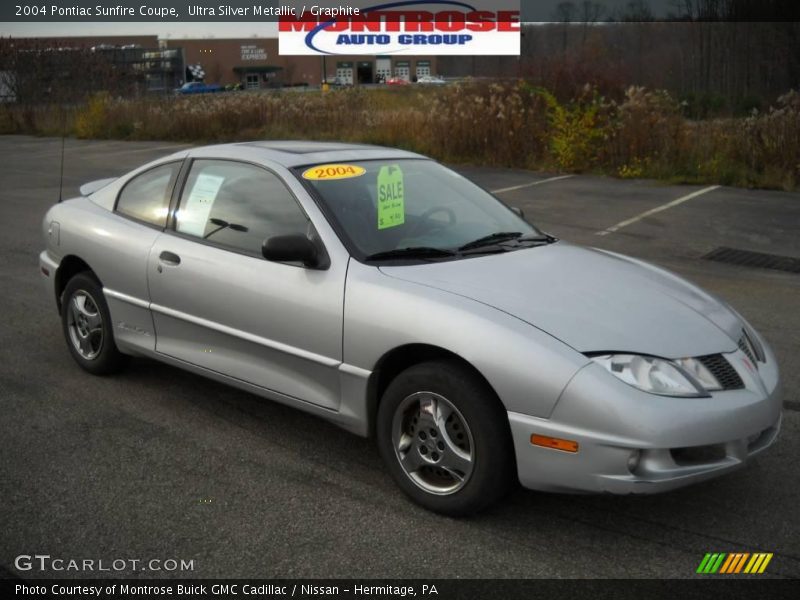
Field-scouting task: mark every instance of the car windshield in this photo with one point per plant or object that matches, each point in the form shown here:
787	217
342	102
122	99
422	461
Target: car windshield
386	208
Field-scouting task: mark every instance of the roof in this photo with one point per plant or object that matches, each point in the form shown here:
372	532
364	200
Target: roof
307	147
300	152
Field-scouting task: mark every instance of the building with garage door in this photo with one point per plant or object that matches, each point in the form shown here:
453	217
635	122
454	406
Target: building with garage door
252	63
365	70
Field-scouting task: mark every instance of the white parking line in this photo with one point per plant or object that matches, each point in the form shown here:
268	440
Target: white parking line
71	149
159	148
657	209
525	185
135	150
55	150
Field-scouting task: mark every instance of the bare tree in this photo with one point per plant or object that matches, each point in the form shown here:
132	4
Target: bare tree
637	11
565	14
589	14
41	71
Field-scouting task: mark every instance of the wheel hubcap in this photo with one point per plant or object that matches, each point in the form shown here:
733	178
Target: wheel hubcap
85	325
433	443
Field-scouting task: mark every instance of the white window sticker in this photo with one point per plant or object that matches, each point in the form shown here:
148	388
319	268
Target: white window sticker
193	217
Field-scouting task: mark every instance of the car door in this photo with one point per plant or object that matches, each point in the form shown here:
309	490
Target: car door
218	304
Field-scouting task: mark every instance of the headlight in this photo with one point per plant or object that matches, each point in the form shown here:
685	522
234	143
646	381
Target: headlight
686	377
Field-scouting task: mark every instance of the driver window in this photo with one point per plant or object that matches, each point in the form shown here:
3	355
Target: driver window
237	206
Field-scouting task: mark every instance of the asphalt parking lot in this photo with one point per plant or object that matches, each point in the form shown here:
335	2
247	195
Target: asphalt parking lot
158	463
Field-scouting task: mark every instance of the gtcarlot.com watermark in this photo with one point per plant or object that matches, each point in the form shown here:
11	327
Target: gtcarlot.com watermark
45	562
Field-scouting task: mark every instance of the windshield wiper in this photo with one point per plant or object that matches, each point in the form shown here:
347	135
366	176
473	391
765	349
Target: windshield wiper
491	239
499	241
540	238
411	253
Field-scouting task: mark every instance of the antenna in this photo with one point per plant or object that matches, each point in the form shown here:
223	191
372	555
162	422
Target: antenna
63	138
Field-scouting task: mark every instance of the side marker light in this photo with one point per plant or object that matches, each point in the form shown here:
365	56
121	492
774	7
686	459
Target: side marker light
554	443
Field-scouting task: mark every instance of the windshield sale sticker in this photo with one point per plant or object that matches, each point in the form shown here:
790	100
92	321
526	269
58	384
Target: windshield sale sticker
326	172
391	200
405	27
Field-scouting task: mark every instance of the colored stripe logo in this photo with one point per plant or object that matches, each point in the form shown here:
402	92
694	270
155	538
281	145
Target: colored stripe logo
734	563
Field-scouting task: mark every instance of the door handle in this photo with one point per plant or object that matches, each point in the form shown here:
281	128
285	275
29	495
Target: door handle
169	258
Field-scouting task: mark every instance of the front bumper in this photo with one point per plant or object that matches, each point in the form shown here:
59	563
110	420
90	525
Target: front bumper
633	442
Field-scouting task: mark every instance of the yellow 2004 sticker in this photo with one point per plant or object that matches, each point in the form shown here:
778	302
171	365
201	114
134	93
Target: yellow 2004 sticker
391	197
326	172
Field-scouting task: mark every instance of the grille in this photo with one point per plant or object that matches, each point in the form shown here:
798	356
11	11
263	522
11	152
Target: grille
722	371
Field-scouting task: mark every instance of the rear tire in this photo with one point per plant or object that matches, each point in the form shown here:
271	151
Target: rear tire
445	438
87	326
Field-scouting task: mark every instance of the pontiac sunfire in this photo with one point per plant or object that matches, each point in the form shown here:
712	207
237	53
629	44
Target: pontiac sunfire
382	291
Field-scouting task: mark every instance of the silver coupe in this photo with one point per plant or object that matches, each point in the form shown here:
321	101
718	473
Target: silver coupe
388	294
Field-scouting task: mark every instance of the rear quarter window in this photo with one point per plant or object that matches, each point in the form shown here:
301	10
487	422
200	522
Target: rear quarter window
146	196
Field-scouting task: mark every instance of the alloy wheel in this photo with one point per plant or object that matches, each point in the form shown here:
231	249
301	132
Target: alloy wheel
433	443
85	325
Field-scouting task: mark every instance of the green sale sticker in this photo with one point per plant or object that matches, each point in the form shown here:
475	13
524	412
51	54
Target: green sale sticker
391	202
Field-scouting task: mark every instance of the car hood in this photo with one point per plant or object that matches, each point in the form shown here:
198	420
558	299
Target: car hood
592	300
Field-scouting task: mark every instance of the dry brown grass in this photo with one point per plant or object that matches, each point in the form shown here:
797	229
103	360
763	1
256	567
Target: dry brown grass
504	123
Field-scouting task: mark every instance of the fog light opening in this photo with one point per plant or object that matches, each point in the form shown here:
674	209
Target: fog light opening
633	460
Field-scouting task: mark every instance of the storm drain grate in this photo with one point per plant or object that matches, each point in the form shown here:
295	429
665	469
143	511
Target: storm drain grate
757	260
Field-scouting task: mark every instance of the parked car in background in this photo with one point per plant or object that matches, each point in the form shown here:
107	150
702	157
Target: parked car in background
339	82
198	87
397	81
431	80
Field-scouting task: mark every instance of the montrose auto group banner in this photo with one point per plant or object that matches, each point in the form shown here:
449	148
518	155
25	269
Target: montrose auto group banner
401	27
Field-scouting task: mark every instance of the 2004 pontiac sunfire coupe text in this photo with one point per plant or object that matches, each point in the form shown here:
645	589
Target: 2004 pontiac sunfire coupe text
390	295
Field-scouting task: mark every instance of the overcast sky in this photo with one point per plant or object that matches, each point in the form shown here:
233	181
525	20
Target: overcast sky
532	10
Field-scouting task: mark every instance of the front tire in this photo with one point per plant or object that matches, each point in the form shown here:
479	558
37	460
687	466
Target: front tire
87	327
444	436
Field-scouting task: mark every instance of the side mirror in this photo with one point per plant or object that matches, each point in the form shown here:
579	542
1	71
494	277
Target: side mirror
295	248
517	211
